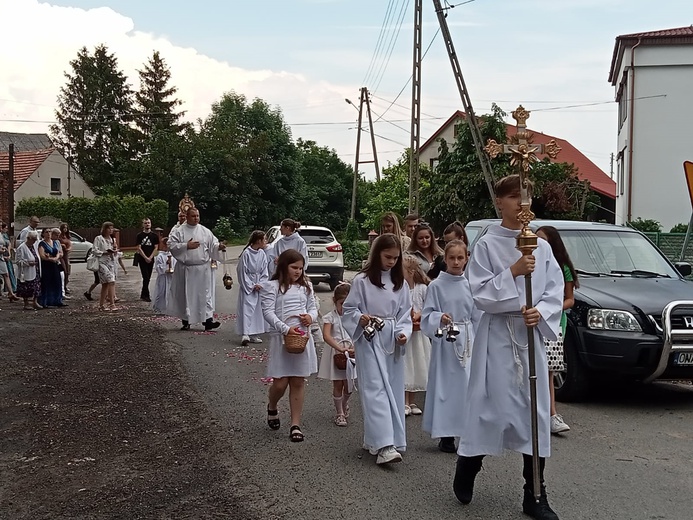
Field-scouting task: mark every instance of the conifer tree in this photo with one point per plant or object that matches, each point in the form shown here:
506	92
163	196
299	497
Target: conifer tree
94	110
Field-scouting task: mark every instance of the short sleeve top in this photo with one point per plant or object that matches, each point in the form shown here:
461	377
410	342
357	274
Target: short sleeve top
567	274
337	332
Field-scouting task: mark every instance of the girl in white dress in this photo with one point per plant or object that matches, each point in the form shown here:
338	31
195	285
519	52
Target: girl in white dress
289	308
164	264
289	239
337	341
449	300
417	351
251	273
378	291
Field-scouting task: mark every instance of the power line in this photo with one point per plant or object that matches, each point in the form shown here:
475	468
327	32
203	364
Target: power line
393	42
378	43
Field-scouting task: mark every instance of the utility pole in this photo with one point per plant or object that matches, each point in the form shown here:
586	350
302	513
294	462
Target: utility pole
10	190
364	101
611	166
414	171
484	159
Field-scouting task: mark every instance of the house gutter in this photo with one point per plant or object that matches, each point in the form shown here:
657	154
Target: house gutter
631	117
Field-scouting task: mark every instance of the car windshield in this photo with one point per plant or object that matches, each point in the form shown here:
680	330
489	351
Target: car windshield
615	252
472	233
316	236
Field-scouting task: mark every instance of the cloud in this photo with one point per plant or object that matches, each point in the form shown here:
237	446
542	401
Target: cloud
44	38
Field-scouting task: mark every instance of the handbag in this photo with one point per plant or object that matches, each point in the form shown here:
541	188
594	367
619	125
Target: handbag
554	354
92	263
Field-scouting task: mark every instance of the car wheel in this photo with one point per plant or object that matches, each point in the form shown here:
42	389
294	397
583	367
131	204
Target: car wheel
334	282
572	384
88	254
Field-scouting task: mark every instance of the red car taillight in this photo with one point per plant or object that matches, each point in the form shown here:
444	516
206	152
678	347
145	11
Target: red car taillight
337	248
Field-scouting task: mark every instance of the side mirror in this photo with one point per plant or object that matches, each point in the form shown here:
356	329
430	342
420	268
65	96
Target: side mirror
684	268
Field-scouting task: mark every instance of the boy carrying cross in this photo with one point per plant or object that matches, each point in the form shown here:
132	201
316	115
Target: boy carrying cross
498	411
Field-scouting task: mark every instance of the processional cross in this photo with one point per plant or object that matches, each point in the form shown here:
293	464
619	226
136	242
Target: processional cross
523	154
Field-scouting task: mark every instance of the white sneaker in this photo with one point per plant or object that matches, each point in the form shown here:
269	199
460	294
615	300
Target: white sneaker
372	451
407	410
558	425
415	410
388	455
255	339
245	340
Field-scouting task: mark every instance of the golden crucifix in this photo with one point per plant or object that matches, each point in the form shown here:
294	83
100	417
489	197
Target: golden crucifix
523	154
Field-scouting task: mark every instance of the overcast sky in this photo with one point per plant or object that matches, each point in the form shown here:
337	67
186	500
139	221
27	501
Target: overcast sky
306	56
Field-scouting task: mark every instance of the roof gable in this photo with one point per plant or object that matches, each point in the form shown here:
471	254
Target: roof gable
24	142
677	36
25	164
587	170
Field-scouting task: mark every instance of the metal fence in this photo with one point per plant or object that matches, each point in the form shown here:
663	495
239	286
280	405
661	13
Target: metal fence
671	245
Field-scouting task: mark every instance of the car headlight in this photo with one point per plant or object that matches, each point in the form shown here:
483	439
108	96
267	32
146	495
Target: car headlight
606	319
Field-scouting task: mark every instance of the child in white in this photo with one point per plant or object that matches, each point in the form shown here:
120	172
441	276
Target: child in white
251	273
417	351
449	300
380	291
289	308
164	264
337	341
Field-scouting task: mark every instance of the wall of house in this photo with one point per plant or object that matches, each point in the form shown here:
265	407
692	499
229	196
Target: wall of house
53	174
431	152
662	118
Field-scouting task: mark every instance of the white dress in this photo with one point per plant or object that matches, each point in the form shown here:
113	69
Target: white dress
498	412
328	370
250	271
380	362
162	288
279	310
448	375
191	286
284	243
417	351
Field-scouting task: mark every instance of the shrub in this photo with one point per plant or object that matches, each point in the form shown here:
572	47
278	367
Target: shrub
646	225
679	228
355	253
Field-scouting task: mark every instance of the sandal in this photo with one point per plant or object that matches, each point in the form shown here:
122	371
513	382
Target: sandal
340	420
275	423
295	433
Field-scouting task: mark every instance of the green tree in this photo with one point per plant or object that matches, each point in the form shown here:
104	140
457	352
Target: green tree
243	165
457	190
390	193
679	228
93	116
155	104
325	182
646	225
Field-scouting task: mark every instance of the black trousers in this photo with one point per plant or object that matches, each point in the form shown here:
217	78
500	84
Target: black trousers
146	269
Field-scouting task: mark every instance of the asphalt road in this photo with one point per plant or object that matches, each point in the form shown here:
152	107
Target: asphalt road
628	455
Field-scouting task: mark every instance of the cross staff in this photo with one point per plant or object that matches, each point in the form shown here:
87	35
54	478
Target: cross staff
523	154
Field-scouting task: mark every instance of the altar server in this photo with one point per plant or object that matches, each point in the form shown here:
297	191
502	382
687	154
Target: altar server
448	301
498	413
251	273
379	291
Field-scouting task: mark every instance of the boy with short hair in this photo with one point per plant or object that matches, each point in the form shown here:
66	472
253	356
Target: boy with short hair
498	410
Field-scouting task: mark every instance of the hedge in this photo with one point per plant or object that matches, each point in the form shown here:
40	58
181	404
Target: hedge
80	212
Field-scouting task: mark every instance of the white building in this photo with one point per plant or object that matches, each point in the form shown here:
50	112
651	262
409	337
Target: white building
652	73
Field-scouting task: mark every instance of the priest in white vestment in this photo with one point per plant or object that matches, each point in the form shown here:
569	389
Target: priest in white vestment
194	247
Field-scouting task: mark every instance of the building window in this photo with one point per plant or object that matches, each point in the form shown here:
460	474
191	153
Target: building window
622	99
55	185
621	180
433	163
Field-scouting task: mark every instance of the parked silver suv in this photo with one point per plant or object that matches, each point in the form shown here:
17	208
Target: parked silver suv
325	258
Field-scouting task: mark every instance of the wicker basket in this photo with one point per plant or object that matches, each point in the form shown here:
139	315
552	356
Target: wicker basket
340	360
295	344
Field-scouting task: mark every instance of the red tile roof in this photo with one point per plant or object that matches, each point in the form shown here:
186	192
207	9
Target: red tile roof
677	36
586	169
25	163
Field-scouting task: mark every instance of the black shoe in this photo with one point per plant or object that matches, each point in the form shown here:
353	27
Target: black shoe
87	295
447	445
539	510
186	325
463	485
211	325
146	299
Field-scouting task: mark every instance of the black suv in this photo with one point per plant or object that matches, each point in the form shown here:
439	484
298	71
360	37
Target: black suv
633	313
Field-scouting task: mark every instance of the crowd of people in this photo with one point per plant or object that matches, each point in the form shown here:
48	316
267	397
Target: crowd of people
420	316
